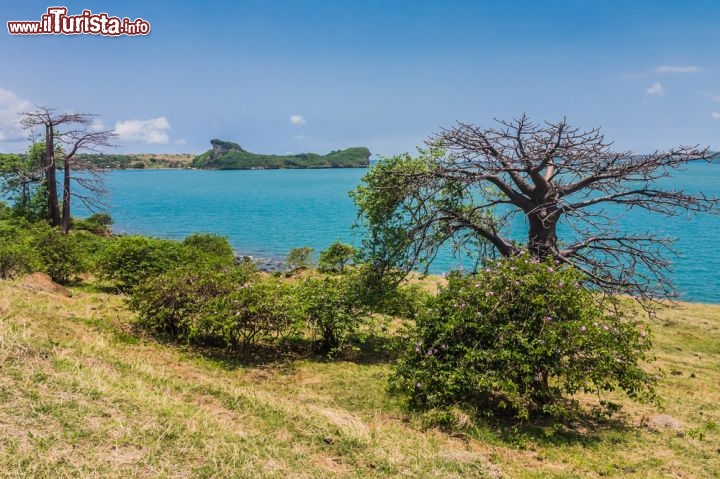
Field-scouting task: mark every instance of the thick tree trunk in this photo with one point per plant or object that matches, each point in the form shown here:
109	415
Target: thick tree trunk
50	176
542	237
66	197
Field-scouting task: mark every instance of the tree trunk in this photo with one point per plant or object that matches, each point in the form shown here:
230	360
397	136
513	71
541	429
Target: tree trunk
542	237
53	205
66	196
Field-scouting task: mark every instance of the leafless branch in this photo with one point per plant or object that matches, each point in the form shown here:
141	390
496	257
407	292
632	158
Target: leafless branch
556	175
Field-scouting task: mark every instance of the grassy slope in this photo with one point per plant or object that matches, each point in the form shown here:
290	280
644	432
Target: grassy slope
80	396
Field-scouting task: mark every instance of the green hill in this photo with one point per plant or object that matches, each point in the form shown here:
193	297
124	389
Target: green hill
226	155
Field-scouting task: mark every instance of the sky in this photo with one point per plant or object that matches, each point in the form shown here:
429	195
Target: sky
318	75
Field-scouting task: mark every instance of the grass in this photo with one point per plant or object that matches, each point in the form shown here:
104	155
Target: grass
82	396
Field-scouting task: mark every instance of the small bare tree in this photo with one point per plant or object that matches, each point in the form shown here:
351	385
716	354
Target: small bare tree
75	133
471	182
90	181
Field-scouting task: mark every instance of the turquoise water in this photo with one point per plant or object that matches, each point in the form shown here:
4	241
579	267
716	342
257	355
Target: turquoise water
266	213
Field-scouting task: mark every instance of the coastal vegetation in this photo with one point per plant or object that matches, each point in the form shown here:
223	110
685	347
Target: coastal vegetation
539	348
299	259
226	155
541	319
116	161
521	336
85	393
194	292
348	158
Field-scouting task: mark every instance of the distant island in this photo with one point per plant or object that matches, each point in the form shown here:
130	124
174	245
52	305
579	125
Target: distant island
226	155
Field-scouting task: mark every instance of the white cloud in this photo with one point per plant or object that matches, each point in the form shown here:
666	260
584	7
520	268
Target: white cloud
677	69
716	115
181	141
716	98
11	106
297	120
152	131
655	89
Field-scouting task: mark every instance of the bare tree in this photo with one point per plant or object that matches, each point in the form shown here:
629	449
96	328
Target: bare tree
470	183
48	119
75	141
75	133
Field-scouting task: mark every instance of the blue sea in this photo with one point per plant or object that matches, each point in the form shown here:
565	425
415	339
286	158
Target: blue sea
265	213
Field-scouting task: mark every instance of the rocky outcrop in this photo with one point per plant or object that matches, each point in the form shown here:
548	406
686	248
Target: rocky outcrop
220	147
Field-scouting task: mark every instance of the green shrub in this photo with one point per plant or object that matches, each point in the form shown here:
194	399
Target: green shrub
98	223
233	307
18	254
5	211
336	258
334	309
90	246
34	207
298	259
256	312
517	338
128	260
404	301
60	255
210	247
17	259
171	303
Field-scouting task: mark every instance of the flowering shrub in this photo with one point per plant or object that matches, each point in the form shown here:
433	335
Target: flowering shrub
516	338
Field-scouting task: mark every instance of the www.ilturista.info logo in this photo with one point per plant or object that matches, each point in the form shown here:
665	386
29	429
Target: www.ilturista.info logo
57	22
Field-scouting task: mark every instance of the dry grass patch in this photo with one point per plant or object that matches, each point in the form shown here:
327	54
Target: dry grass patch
82	396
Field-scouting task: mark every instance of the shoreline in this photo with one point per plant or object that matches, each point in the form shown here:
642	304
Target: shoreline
241	169
271	264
